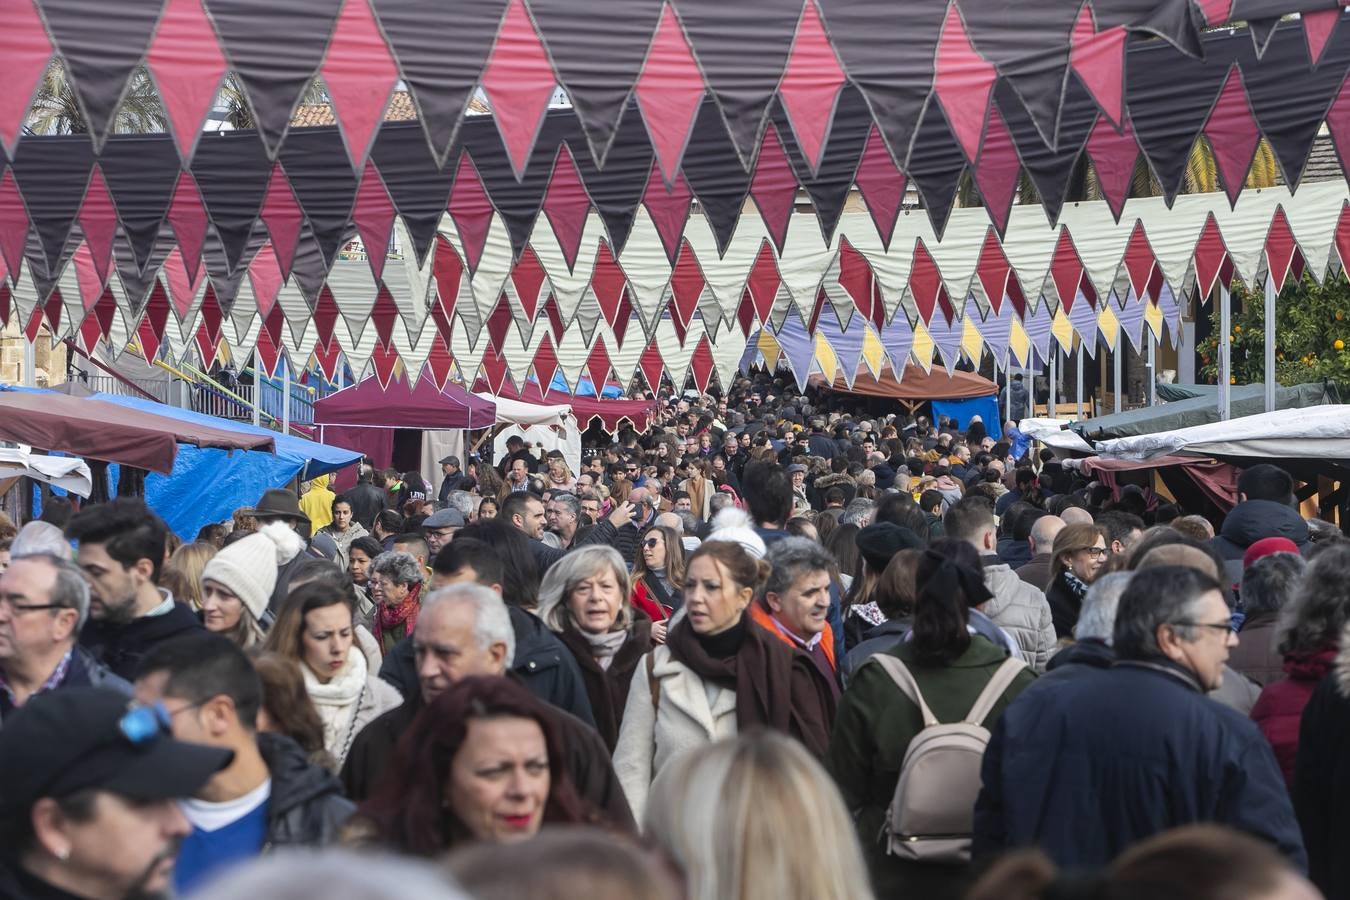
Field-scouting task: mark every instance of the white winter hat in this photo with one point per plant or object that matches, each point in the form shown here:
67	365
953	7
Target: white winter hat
733	525
248	567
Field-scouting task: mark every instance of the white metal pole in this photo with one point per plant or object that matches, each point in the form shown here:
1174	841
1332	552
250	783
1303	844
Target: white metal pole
1116	366
285	397
1078	382
1270	342
29	363
1225	355
1054	359
257	389
1152	367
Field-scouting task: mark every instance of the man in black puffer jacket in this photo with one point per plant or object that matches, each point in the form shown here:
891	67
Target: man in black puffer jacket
270	795
1265	509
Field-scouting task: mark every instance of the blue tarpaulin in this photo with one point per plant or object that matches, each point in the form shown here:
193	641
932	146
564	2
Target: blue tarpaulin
208	485
962	411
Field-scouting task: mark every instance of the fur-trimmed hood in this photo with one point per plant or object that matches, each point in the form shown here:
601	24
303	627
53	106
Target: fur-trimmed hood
825	482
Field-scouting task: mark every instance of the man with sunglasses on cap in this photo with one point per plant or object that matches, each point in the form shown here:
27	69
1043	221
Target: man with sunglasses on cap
88	797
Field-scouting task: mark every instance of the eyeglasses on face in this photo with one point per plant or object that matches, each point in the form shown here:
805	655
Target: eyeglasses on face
1095	552
649	543
14	609
143	724
1226	627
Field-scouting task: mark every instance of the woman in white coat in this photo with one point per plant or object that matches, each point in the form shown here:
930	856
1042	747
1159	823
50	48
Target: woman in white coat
315	631
717	674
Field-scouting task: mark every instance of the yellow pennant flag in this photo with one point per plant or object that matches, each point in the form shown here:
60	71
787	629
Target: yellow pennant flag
972	342
922	349
1109	325
1154	317
873	354
1062	330
768	346
1019	343
826	358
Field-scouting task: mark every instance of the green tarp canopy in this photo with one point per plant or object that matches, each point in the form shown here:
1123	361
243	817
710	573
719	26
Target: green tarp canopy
1199	409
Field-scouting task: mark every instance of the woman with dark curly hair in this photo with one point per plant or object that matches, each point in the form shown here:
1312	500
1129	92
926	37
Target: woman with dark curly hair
482	762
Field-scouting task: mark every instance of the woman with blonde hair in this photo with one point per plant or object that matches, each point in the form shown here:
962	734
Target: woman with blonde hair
584	600
756	818
182	574
1078	557
717	674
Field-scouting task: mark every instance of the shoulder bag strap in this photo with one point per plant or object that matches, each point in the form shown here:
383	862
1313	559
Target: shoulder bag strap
904	679
652	683
995	689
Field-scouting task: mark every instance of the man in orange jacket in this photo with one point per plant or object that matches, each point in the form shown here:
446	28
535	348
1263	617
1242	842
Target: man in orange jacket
795	602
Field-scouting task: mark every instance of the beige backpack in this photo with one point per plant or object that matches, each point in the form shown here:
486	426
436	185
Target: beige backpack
933	809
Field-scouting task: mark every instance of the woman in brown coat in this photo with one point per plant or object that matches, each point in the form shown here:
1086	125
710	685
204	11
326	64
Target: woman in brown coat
585	599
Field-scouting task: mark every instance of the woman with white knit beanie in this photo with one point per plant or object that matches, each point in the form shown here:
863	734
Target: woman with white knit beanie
238	581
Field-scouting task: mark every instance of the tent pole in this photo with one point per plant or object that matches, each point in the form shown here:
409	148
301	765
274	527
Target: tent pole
257	389
1007	386
29	363
1152	367
1115	367
1225	354
1054	358
1078	382
1270	341
285	397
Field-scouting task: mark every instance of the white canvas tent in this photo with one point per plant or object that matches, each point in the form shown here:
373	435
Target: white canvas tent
1317	432
552	427
67	472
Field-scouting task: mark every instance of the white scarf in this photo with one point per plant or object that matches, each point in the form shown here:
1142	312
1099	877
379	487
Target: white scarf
339	701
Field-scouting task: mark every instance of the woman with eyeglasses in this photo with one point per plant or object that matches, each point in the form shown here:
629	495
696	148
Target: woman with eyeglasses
1077	559
658	577
584	600
396	587
315	631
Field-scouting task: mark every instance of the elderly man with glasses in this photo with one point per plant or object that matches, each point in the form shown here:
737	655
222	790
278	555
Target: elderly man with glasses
1085	767
44	601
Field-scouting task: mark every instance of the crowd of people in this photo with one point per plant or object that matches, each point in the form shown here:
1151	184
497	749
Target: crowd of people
769	647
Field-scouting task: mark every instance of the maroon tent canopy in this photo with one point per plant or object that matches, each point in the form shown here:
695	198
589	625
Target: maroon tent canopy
610	412
97	430
422	406
916	384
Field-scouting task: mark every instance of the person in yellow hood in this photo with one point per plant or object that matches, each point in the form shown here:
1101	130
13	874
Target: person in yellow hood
318	504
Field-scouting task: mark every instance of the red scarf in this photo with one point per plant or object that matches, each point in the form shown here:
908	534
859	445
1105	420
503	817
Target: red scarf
404	613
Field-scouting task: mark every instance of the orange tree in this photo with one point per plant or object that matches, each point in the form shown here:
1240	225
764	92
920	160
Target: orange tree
1312	334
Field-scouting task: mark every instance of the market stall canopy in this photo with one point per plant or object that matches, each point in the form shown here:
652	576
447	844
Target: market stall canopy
97	430
1316	432
305	458
658	215
208	485
1166	417
516	412
1215	482
403	405
916	384
611	413
69	473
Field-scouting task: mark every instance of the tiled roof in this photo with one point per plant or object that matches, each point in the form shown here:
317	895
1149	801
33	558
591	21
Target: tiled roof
1323	165
400	109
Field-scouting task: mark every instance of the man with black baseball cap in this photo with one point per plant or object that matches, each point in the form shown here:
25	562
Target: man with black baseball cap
88	791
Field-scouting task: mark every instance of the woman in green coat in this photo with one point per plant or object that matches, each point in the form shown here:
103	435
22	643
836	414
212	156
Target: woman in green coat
876	721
